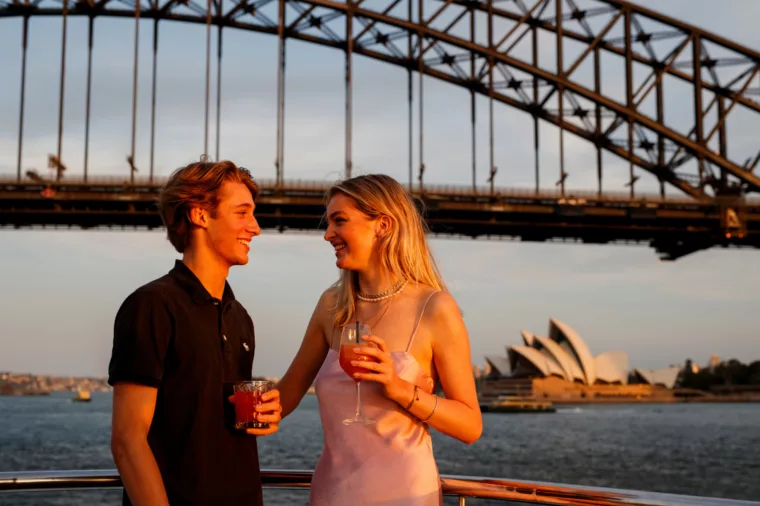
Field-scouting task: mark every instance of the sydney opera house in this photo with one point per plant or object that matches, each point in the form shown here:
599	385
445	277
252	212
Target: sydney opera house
562	365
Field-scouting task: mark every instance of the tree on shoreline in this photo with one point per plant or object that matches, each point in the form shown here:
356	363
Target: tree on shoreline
728	373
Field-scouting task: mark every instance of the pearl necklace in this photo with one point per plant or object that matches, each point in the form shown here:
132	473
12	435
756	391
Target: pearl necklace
377	297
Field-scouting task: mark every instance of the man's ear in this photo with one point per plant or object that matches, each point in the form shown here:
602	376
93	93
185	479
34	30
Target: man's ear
198	217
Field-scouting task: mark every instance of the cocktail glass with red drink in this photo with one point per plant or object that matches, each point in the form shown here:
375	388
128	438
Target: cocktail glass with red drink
352	337
247	396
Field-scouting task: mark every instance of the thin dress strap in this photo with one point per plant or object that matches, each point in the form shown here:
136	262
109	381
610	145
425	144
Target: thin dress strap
414	332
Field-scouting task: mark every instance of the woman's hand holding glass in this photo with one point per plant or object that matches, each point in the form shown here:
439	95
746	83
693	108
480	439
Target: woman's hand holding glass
382	370
266	411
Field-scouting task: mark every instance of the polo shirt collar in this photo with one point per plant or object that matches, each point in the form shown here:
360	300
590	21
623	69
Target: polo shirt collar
193	286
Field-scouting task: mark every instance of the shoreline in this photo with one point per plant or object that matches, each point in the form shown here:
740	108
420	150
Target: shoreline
656	400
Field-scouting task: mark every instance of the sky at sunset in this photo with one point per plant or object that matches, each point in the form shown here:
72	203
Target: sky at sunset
61	288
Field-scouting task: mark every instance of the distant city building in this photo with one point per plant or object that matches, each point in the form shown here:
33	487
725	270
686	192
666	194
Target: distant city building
566	356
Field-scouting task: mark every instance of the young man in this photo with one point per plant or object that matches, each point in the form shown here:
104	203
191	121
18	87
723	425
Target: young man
180	342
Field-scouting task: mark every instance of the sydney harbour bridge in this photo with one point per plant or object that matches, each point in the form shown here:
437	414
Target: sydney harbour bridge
490	49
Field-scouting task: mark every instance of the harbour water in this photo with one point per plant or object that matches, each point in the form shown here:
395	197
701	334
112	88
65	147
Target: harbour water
695	449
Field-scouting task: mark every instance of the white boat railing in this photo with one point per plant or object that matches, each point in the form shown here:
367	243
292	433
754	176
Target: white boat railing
462	487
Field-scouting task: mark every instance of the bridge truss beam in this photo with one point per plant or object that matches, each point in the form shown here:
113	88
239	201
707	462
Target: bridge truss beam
723	76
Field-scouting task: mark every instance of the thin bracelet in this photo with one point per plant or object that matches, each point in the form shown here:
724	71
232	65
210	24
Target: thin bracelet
414	395
432	412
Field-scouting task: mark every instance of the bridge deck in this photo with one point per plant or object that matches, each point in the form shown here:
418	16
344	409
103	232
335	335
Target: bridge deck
673	226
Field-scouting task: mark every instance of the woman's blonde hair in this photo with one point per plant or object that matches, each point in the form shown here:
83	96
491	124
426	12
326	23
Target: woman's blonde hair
404	249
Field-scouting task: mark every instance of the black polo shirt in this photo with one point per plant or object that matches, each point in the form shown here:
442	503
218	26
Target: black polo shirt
173	335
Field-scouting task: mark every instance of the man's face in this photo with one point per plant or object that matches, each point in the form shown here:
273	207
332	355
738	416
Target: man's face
229	233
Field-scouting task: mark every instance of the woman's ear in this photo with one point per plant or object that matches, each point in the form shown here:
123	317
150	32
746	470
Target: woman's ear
384	226
198	217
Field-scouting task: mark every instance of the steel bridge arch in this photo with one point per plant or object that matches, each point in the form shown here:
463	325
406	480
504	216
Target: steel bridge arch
315	19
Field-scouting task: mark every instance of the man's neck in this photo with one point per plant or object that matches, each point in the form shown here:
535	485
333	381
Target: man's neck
208	269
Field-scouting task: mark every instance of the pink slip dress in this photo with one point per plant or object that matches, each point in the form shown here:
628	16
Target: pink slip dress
388	463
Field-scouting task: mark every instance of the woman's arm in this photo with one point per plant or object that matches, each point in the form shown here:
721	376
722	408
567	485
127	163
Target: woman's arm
305	366
458	414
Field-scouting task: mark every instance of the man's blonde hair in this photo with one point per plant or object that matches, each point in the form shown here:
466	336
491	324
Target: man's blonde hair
196	185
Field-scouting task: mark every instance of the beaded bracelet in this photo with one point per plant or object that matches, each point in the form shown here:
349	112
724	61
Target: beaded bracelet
432	412
415	397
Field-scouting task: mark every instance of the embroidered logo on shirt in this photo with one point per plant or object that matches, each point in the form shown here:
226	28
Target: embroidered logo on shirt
245	346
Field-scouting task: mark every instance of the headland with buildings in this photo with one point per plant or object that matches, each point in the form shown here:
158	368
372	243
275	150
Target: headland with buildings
558	368
561	369
37	384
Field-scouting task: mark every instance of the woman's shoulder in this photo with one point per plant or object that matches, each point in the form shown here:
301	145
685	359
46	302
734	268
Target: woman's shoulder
443	318
327	301
329	296
324	312
436	301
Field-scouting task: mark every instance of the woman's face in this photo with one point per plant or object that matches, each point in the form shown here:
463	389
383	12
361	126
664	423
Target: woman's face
351	233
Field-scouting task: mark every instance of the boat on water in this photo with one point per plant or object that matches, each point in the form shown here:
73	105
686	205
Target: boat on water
516	404
82	396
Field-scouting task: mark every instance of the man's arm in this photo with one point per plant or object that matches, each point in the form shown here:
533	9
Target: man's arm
142	332
133	407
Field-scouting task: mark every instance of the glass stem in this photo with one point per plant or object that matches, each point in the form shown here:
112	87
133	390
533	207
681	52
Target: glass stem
358	401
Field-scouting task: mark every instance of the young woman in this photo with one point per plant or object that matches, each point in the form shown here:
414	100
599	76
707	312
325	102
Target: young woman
390	282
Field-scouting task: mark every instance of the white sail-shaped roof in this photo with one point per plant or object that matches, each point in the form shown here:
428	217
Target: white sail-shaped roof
540	361
571	369
612	367
566	355
565	336
665	377
499	364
